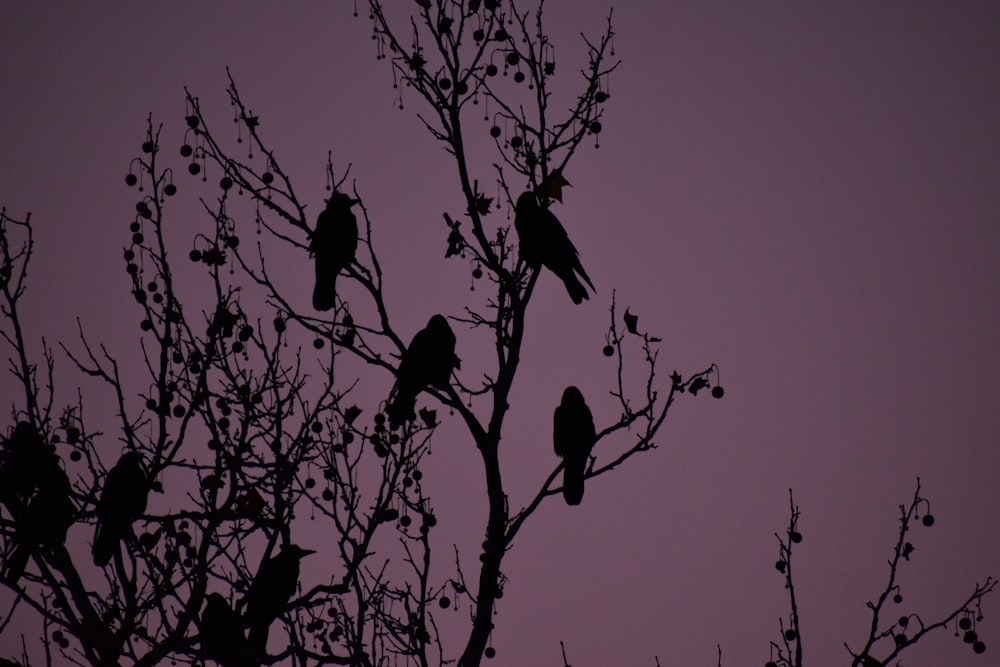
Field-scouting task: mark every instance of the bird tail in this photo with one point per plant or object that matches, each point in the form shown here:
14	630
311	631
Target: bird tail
257	638
324	293
576	290
579	269
16	563
573	477
105	543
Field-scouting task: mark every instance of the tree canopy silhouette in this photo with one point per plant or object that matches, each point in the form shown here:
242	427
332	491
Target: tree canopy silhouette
245	437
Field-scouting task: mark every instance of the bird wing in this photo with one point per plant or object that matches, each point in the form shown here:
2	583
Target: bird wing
573	431
562	429
321	237
560	253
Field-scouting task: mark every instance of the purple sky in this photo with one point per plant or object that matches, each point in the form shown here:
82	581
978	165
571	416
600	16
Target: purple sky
807	197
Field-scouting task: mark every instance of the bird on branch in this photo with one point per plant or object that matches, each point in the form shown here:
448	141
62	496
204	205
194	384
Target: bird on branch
333	246
123	500
542	240
42	525
221	636
427	362
573	435
23	461
270	592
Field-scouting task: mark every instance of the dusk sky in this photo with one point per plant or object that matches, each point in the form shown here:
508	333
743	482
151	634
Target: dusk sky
805	194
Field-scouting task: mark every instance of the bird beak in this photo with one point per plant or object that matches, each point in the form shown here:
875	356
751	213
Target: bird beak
305	552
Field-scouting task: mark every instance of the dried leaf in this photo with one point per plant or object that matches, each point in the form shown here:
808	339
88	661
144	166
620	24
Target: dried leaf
429	417
351	413
251	504
553	185
631	321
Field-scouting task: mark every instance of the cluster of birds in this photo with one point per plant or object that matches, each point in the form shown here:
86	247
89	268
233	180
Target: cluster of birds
542	241
429	360
222	627
36	492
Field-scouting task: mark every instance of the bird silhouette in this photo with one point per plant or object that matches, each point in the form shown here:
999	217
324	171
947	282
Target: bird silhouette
573	435
543	241
428	361
333	245
270	592
23	461
123	500
221	634
41	526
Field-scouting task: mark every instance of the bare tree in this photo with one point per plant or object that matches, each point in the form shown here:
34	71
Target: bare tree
184	545
238	430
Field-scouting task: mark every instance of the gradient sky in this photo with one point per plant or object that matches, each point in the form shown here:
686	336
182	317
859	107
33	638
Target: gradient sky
806	196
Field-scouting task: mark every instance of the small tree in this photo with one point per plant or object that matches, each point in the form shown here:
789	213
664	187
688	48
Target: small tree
886	639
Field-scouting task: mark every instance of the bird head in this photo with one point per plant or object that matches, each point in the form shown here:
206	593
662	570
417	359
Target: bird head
132	458
24	435
215	599
341	201
438	323
527	202
572	395
296	551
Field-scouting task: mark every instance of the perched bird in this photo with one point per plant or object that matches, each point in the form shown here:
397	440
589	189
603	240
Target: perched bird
270	591
573	435
542	240
428	361
43	523
24	459
123	500
333	246
221	635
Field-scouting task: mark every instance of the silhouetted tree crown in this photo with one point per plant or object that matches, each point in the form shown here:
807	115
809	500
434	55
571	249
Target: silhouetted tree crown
165	530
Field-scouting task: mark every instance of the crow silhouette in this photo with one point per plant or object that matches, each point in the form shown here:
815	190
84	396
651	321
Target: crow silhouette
221	635
42	525
123	500
24	460
573	435
333	246
270	592
543	241
428	361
